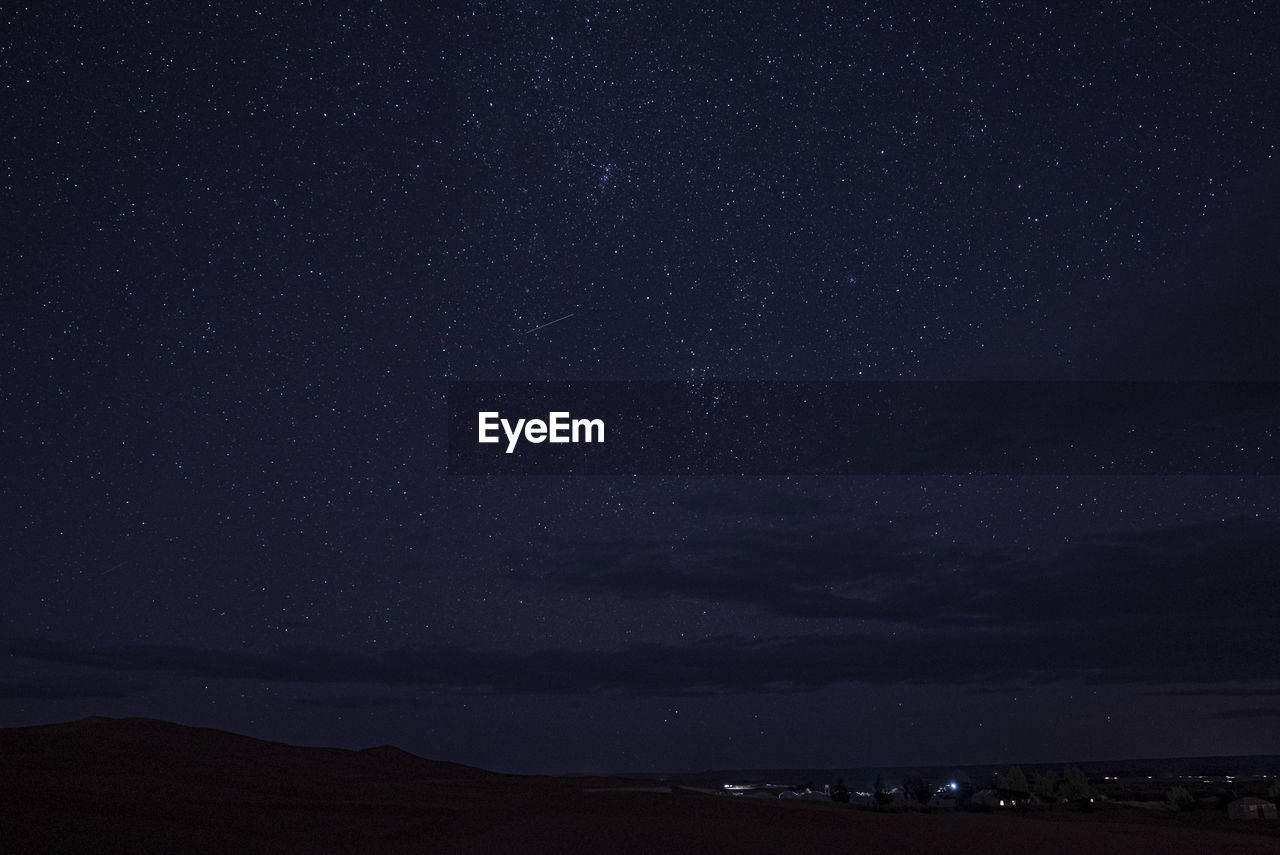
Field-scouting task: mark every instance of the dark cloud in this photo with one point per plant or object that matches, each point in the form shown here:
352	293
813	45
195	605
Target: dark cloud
63	688
1171	605
1216	691
1106	652
801	569
1185	581
1225	329
775	504
1249	712
359	702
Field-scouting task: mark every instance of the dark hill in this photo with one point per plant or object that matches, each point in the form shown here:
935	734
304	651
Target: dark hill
142	785
151	744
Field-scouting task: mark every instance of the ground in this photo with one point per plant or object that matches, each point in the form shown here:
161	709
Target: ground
133	786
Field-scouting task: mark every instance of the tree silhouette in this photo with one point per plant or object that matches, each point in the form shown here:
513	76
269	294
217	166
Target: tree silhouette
882	796
1045	785
916	788
840	793
1178	799
1014	781
1075	786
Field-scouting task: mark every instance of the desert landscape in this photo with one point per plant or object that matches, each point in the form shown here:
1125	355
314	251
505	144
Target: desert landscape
753	427
103	785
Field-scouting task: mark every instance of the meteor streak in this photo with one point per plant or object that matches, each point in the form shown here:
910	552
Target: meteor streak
548	323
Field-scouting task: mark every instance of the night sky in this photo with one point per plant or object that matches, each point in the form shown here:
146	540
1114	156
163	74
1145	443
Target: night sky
245	249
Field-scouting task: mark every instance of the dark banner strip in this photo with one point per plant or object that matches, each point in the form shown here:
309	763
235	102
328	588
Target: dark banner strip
863	428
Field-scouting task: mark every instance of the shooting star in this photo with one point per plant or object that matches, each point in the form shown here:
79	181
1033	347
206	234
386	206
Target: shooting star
549	323
112	568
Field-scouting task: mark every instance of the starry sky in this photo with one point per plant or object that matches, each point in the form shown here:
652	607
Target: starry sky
247	248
